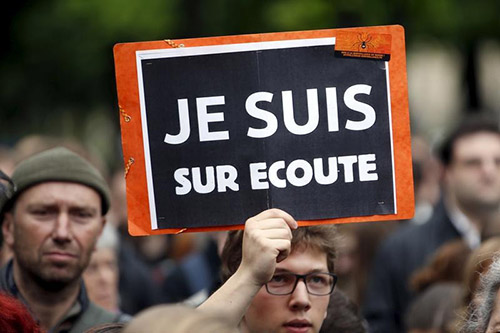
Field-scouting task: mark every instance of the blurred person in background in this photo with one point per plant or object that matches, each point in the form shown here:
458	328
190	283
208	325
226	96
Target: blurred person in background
53	215
438	290
357	246
101	274
132	269
171	268
427	172
359	242
445	265
7	162
347	262
197	273
470	204
36	143
435	309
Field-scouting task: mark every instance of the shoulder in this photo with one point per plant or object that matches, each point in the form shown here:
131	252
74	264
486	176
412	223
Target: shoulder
101	315
6	279
428	234
95	315
3	278
402	237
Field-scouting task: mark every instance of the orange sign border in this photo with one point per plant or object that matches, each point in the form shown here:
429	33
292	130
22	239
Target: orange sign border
131	127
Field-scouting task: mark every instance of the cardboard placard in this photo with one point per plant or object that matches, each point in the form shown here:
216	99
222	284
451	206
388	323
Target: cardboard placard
313	122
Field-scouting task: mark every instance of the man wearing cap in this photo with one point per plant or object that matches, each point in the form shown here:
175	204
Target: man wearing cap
53	213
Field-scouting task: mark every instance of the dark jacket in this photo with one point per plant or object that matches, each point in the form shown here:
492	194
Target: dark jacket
83	315
198	271
401	254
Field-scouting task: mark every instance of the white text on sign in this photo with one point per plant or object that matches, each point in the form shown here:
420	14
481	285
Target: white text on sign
204	117
298	173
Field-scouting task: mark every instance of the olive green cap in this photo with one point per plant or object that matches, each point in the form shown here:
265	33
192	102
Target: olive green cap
56	164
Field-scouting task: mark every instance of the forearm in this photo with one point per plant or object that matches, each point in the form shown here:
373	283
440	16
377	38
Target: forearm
267	238
232	299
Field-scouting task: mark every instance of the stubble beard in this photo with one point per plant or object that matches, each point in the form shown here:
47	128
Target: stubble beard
481	206
48	276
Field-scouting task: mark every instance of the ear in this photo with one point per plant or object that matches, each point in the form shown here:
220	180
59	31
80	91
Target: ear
8	229
104	221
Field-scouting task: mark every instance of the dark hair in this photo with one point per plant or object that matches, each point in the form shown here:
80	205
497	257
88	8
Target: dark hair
445	265
107	328
15	317
435	308
468	127
343	316
321	237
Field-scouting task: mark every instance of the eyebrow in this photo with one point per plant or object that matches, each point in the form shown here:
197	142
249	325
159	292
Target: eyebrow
40	205
51	205
89	209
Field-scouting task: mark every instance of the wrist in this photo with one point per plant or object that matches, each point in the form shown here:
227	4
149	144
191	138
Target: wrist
247	278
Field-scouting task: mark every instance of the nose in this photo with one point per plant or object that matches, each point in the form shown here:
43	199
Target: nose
490	167
107	275
62	228
299	299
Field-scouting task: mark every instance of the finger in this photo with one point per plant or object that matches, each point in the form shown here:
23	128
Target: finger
277	213
283	246
279	233
281	256
268	225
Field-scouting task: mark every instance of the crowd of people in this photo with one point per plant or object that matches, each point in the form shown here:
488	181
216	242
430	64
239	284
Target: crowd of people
69	264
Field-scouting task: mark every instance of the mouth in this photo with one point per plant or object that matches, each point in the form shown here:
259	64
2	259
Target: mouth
59	256
297	326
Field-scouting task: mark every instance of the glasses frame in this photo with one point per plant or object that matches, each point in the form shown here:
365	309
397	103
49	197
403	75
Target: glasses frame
303	277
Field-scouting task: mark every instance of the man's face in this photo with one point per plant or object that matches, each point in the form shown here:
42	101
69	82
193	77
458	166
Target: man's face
52	229
101	278
298	312
474	173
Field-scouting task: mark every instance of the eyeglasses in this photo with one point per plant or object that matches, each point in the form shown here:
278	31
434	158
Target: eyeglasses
319	284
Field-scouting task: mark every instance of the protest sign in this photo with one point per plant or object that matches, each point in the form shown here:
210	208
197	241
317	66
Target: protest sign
215	130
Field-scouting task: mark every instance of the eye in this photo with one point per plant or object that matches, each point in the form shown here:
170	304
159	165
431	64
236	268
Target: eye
472	163
277	278
82	214
42	212
281	279
319	279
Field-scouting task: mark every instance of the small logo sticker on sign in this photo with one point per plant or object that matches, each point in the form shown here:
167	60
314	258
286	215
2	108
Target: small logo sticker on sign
363	45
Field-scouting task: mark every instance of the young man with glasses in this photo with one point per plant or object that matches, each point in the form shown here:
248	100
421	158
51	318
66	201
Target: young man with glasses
278	278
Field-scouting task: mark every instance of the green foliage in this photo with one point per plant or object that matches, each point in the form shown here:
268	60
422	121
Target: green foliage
61	58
